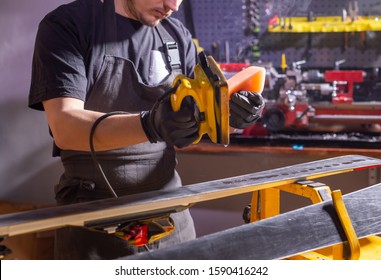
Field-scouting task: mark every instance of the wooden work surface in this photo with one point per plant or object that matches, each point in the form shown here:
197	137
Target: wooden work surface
206	147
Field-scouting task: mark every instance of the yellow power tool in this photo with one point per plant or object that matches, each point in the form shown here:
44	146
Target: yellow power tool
211	92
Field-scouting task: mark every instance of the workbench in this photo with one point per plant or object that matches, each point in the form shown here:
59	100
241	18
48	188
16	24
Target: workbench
207	161
211	148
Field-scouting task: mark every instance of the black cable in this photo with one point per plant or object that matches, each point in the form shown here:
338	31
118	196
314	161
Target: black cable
93	154
101	118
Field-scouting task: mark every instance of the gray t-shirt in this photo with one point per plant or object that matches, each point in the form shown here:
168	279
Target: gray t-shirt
69	50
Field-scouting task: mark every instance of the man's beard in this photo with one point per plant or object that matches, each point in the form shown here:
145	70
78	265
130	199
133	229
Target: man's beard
131	11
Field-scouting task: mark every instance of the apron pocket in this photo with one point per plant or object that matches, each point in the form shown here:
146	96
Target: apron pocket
73	190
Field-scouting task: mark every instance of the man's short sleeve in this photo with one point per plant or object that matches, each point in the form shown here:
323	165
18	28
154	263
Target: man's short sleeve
58	68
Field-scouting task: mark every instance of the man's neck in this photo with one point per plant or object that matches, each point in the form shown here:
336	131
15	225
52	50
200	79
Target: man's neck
120	7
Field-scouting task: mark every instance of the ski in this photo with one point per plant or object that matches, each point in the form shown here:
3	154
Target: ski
113	211
303	230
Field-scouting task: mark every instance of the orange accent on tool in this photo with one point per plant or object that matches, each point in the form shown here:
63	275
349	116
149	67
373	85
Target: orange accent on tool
249	79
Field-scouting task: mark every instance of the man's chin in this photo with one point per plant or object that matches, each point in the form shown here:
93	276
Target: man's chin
155	23
152	22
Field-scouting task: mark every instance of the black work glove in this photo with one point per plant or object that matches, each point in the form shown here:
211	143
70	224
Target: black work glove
245	108
175	128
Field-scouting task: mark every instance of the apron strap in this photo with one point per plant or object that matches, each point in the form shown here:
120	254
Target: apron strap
171	49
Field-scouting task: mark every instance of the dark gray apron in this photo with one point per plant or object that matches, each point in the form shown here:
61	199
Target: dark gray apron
139	168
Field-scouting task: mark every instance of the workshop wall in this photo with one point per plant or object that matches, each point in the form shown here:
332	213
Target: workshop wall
27	170
236	31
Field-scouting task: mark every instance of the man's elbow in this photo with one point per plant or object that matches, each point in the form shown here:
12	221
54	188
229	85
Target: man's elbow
61	140
65	138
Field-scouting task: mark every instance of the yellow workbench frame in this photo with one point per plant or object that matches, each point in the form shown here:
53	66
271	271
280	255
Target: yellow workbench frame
266	203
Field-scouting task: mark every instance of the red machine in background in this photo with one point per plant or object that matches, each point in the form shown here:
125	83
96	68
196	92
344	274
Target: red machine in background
313	100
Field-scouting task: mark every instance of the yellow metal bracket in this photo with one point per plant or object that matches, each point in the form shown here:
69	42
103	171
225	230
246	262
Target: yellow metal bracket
315	191
350	249
266	203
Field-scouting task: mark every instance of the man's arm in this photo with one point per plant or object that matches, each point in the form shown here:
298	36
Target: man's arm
70	124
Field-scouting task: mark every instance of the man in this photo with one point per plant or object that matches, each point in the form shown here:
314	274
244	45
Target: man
93	57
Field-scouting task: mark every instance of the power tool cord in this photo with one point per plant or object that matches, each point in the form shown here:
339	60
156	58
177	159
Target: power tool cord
92	150
100	119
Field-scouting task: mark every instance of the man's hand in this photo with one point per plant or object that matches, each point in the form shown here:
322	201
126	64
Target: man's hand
175	128
245	108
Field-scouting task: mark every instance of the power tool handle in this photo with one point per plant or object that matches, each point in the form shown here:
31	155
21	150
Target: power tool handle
187	87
